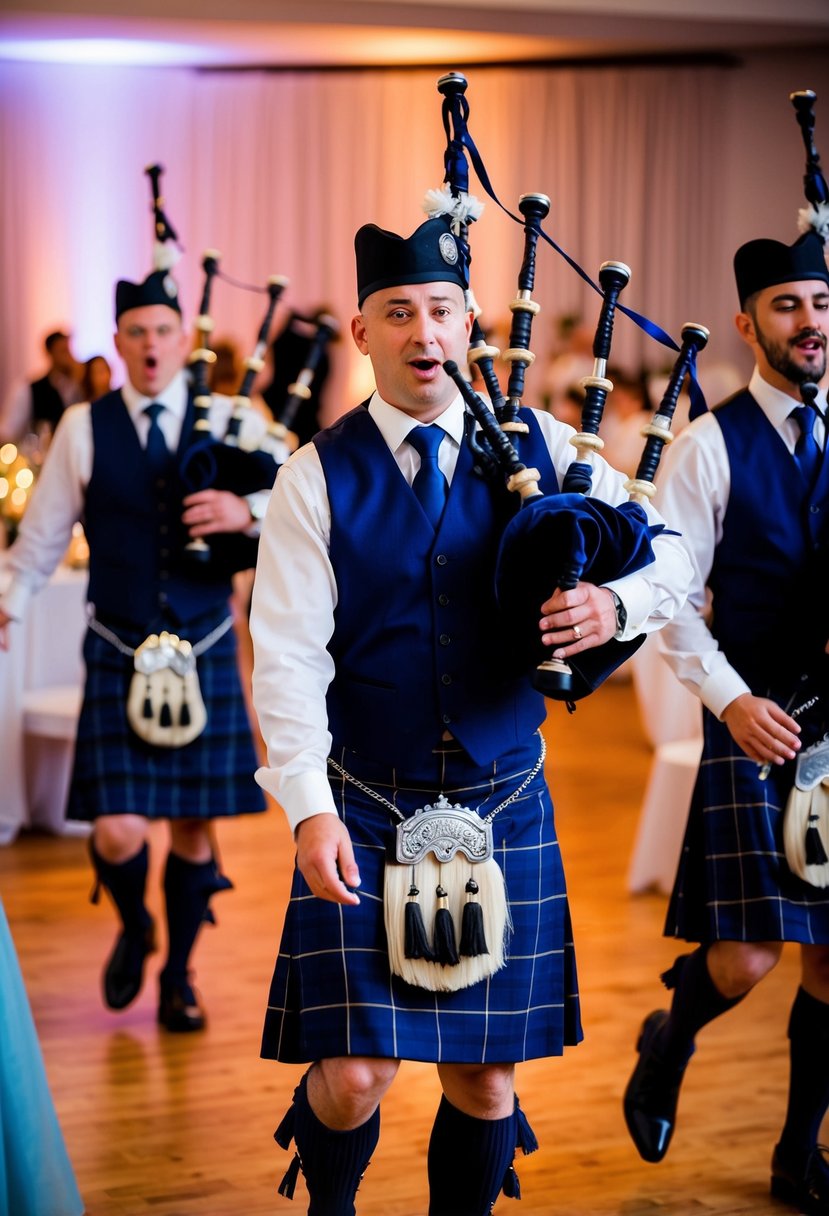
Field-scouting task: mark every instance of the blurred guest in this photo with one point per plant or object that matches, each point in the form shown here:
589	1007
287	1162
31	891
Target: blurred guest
96	379
571	359
226	373
38	404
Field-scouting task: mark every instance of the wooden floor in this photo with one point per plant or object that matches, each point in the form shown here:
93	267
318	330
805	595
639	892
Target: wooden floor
172	1126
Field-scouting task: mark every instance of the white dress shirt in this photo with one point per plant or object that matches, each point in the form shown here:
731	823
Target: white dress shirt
693	493
295	595
59	495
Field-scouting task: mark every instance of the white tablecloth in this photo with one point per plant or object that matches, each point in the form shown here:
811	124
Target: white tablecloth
44	650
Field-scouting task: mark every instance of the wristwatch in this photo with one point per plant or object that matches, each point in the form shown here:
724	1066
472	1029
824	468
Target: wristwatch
621	611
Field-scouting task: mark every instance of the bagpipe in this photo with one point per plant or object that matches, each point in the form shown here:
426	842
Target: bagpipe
555	539
816	215
325	328
166	249
211	462
207	460
254	364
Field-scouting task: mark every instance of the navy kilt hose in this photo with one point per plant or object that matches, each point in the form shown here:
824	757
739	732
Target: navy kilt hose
116	773
332	992
733	883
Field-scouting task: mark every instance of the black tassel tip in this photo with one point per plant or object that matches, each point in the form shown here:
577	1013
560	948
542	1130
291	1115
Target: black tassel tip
416	943
446	952
815	852
473	936
165	718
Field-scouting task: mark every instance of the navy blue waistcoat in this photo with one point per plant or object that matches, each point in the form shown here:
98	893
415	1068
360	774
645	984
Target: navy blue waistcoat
771	562
137	571
417	642
47	403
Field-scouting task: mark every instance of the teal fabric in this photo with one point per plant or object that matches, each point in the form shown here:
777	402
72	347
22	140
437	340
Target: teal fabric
36	1177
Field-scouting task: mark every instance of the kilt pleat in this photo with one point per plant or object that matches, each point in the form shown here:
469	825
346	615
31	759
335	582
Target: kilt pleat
333	993
116	773
733	883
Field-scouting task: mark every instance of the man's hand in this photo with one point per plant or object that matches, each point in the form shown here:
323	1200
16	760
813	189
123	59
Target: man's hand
762	729
215	511
578	619
4	630
325	858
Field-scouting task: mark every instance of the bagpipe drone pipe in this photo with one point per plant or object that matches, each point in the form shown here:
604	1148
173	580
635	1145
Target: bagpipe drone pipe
554	540
815	216
210	462
325	328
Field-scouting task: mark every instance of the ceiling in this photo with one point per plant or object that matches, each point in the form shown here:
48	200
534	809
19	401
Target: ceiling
349	33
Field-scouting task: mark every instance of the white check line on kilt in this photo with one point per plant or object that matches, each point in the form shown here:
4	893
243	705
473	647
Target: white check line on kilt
445	850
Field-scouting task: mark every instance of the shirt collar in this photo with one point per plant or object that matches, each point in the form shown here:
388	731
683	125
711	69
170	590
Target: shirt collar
174	397
394	425
777	405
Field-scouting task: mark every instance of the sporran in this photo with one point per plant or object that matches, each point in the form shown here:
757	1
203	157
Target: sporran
806	816
444	878
164	706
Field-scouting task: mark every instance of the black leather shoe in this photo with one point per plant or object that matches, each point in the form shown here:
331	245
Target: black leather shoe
124	970
179	1010
652	1093
807	1189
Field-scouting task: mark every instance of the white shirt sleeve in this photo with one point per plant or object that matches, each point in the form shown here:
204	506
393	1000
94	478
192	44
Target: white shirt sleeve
653	595
292	620
694	491
56	504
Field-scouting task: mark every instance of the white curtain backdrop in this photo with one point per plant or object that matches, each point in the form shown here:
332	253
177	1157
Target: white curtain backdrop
665	168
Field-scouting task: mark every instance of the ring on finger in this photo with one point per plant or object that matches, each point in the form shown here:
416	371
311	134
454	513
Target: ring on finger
577	635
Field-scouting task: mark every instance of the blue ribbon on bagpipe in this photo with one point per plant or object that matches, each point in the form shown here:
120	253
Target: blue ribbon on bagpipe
457	174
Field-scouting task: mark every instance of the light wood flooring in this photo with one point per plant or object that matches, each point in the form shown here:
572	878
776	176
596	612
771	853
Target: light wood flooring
173	1126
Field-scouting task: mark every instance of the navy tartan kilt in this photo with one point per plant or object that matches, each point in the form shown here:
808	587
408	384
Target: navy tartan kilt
733	883
116	773
332	992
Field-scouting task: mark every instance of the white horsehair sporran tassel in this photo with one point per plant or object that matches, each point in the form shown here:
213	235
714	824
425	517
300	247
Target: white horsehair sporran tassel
806	817
445	876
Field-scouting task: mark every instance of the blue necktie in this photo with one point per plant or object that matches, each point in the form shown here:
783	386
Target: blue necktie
806	452
430	485
158	454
